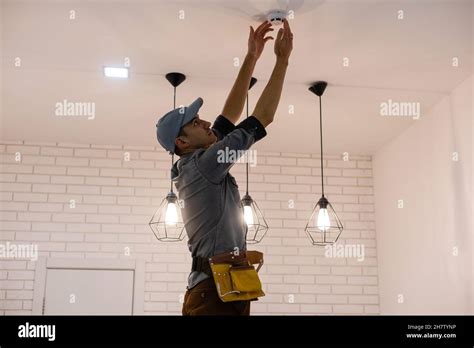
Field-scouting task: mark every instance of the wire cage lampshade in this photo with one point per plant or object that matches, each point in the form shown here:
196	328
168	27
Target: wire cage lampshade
257	226
167	222
324	226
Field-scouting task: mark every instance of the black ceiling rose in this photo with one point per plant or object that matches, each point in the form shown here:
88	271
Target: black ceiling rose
318	87
175	78
253	81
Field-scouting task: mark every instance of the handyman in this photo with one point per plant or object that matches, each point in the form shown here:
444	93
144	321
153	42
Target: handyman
67	108
37	331
408	109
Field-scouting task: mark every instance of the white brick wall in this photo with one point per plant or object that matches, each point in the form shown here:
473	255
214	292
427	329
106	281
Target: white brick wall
115	200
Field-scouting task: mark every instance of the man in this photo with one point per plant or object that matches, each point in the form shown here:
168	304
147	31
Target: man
212	211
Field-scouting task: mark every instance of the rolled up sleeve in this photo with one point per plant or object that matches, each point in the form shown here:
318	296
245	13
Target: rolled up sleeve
222	126
253	126
214	163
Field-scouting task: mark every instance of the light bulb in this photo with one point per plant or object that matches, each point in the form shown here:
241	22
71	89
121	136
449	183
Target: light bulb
248	215
323	222
171	217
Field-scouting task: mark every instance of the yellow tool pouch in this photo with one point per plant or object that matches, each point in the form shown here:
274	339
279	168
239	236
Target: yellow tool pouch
235	276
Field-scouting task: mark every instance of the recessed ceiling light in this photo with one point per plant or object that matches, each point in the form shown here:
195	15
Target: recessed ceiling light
116	72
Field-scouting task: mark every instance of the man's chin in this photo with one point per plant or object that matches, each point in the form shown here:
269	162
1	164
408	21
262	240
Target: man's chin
211	142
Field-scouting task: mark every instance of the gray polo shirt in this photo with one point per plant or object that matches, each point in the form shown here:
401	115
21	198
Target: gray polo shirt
212	211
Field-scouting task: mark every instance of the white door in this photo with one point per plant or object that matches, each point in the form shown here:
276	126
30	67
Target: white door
88	291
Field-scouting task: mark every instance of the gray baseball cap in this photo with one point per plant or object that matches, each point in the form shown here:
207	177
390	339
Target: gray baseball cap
169	126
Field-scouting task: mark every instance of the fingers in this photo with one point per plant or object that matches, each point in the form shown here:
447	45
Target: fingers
288	35
263	27
285	34
266	32
280	34
261	31
252	33
286	25
268	38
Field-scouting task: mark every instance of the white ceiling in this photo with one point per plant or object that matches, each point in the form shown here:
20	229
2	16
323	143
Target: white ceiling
403	60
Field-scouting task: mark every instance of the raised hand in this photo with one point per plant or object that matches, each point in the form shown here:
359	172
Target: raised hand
284	41
257	39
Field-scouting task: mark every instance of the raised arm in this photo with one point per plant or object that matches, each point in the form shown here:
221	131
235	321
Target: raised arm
235	102
268	102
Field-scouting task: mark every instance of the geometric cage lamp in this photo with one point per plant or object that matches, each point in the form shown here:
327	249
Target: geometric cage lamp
257	226
167	222
324	226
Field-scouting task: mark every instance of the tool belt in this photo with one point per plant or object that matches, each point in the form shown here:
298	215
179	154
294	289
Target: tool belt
235	276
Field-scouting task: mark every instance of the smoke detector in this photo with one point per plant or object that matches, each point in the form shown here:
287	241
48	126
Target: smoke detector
258	10
276	17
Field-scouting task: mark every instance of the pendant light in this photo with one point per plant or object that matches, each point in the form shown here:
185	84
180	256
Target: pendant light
257	227
167	222
324	226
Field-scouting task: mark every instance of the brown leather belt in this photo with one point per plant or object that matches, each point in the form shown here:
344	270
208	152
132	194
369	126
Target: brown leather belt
201	264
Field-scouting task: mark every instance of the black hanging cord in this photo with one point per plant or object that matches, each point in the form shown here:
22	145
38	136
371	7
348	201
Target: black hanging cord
321	137
247	162
172	155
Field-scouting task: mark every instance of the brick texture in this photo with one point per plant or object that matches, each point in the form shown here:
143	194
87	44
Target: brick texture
114	199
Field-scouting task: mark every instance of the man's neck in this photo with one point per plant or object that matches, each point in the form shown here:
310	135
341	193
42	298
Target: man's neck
189	151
